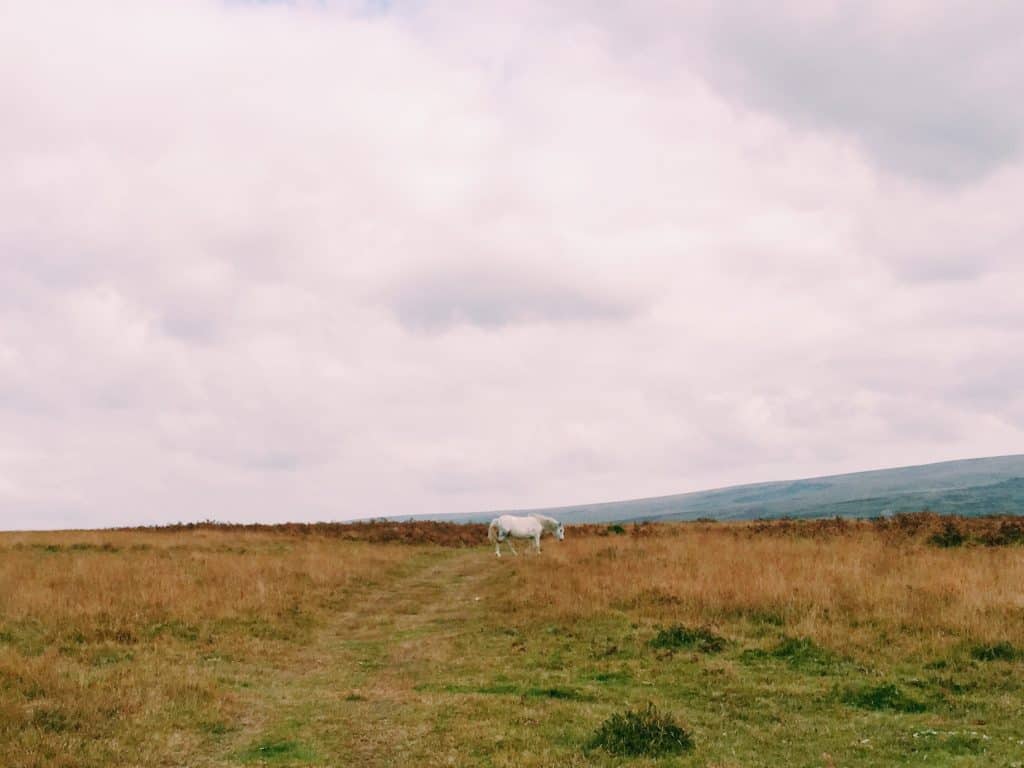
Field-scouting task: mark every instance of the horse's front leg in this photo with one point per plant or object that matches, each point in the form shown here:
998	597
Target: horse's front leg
509	540
497	548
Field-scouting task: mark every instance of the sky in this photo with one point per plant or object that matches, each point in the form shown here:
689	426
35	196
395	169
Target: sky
315	261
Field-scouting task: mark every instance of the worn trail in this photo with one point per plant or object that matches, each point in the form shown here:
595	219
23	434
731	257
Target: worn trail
356	694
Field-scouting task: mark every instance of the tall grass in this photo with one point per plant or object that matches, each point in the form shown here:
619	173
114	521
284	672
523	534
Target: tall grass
146	647
859	588
121	648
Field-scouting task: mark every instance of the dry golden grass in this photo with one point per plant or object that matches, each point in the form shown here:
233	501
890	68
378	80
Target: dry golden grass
854	586
106	583
124	648
212	646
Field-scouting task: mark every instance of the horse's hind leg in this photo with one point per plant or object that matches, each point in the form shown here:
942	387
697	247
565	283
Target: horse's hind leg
536	543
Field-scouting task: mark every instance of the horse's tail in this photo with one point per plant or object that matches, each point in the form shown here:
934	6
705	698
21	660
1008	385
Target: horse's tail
492	531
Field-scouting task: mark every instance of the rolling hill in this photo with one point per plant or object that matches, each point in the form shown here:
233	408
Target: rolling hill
967	487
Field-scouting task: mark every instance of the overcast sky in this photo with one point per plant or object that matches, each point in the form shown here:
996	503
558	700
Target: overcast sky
266	262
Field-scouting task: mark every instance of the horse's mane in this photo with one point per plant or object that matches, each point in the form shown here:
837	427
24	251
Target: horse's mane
547	522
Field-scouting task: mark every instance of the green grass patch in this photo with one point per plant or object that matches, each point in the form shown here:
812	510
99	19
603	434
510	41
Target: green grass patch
887	696
215	727
52	720
1001	651
27	637
276	751
493	689
767	618
569	694
612	678
174	628
641	733
511	689
959	743
800	653
699	639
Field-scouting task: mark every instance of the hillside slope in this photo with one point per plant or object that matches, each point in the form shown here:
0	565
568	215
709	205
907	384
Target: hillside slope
967	487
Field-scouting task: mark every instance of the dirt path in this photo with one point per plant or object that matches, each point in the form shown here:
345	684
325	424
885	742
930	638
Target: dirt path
355	697
426	614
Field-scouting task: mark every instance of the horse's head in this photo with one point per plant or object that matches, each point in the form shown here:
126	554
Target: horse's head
560	532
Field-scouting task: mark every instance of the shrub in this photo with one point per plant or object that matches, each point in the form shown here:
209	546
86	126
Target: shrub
886	696
676	636
644	732
1006	534
949	536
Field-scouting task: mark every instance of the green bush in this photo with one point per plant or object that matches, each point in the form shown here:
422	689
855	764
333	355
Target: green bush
644	732
616	529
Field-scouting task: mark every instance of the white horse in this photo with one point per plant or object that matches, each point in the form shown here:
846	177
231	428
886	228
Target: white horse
508	527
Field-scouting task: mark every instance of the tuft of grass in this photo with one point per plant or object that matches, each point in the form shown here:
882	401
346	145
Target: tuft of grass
678	636
214	727
641	733
104	656
802	652
613	677
963	744
556	693
52	720
1001	651
273	751
616	529
953	742
766	617
886	696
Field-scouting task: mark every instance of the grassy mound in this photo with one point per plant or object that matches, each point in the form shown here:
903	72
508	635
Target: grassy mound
700	638
644	732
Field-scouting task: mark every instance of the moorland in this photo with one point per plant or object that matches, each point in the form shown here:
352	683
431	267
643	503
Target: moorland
801	643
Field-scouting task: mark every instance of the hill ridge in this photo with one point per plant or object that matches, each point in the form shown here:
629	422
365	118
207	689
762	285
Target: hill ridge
973	486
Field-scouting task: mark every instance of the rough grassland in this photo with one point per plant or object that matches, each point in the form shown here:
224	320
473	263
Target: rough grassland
835	644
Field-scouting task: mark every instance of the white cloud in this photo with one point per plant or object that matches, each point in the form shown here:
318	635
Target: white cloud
264	262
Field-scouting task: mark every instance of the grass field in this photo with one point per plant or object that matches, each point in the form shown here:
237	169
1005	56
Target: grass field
825	643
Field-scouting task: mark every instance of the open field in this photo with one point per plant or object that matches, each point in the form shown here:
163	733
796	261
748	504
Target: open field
786	643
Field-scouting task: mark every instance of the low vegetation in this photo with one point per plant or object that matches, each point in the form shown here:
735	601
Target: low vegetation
642	732
885	696
699	638
764	643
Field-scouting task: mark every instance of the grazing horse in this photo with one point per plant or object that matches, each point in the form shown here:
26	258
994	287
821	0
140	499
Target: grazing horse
508	527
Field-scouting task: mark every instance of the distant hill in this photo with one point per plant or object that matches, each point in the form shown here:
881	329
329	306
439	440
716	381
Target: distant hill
966	487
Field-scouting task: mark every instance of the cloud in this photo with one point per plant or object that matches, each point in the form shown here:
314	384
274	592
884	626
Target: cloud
925	90
492	298
928	91
288	261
